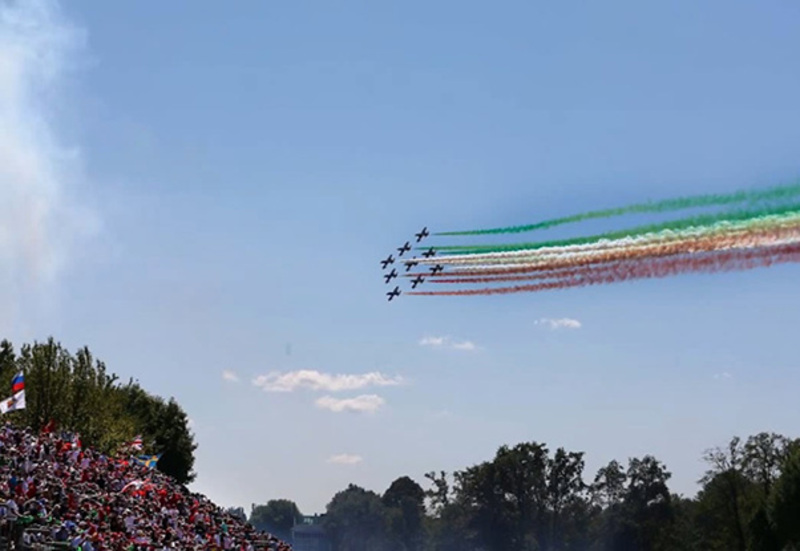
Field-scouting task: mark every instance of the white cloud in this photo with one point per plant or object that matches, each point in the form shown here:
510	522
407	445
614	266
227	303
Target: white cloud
562	323
314	380
345	459
464	345
366	403
447	342
41	222
432	341
229	375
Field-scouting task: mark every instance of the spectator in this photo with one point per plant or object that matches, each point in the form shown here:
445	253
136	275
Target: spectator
90	501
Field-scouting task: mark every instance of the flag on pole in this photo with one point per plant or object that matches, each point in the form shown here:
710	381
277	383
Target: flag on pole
16	402
18	382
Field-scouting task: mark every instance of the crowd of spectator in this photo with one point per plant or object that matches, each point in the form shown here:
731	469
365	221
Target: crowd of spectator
55	492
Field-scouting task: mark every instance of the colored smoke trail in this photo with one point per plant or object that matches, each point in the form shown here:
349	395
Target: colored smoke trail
725	261
606	266
689	243
676	225
775	194
549	254
764	229
576	263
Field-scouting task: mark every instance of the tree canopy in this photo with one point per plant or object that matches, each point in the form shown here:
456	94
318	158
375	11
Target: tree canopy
277	516
78	394
527	498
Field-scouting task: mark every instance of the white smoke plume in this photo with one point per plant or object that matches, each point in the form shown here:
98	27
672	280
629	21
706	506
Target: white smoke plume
40	219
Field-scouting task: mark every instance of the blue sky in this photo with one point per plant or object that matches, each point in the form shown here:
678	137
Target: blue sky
199	188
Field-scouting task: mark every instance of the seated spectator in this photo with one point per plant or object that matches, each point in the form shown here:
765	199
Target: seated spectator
55	491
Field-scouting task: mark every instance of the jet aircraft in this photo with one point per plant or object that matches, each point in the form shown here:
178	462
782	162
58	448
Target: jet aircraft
389	260
404	248
416	281
437	268
390	275
410	263
429	253
393	293
421	235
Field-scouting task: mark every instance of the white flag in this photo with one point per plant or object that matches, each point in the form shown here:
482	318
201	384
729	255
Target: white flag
17	401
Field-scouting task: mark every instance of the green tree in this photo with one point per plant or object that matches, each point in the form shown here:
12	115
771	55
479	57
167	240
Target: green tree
764	454
438	496
175	441
717	512
356	520
730	485
525	500
608	488
644	519
448	517
277	516
8	364
164	426
733	505
451	531
784	503
686	535
78	392
492	509
405	503
565	499
761	534
649	501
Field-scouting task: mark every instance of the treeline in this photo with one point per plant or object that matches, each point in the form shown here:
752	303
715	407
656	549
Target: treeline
529	499
78	394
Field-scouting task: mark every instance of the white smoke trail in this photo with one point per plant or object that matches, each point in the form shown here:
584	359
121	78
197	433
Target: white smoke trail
640	255
663	236
40	219
752	237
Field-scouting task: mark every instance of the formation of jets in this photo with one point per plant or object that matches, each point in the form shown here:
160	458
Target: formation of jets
406	247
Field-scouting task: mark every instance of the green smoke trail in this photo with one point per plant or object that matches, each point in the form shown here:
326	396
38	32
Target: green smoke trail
750	229
665	237
675	225
774	194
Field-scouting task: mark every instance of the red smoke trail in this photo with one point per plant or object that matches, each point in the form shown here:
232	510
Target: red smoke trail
603	266
692	245
559	273
710	263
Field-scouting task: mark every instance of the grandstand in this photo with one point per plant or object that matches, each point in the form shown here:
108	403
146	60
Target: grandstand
55	494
